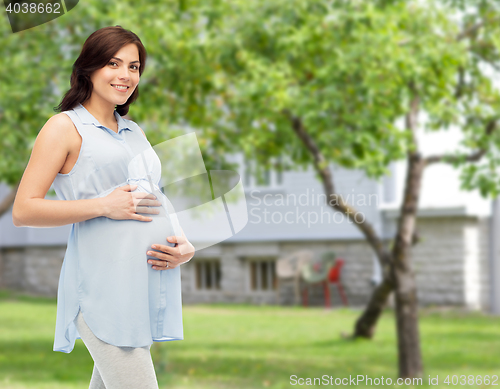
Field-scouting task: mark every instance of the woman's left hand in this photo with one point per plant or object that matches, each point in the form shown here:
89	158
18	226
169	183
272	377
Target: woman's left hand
171	257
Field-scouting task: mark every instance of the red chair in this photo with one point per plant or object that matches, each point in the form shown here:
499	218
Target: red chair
333	277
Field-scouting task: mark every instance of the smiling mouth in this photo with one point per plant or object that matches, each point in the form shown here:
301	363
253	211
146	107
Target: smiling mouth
120	88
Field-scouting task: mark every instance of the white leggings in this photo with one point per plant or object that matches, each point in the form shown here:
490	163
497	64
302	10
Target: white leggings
117	367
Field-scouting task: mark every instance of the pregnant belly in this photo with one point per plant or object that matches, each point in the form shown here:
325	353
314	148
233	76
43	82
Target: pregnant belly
115	282
104	242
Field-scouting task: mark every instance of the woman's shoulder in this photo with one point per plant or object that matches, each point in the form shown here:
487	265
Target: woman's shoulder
57	134
59	121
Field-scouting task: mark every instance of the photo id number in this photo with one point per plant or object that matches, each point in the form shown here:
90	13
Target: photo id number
34	8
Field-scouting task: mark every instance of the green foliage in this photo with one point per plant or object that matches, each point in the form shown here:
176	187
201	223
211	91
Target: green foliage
344	69
228	69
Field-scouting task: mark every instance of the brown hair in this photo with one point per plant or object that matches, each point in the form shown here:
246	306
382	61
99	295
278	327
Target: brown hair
97	50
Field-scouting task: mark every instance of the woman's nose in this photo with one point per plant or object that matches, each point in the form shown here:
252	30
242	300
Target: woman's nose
124	74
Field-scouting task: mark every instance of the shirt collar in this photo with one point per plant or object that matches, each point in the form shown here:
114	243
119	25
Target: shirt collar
87	118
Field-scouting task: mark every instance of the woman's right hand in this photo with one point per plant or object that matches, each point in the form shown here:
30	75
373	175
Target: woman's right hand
121	204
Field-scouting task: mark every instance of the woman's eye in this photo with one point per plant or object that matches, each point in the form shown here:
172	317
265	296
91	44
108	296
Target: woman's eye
135	67
112	63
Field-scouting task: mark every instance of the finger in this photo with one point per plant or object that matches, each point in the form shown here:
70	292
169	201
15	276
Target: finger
149	203
161	265
129	187
180	242
175	239
165	249
144	195
140	209
158	263
162	256
135	216
163	268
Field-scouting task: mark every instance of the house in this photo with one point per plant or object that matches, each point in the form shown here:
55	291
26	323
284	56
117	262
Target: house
287	212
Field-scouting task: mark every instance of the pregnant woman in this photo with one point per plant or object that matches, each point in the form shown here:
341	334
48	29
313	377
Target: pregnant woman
119	287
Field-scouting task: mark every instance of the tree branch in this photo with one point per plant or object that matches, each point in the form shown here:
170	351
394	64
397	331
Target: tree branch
473	157
335	200
462	35
459	89
406	234
411	118
469	31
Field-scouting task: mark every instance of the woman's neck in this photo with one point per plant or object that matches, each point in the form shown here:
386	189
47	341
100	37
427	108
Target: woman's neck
104	113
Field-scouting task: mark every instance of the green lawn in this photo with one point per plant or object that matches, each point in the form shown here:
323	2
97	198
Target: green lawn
240	346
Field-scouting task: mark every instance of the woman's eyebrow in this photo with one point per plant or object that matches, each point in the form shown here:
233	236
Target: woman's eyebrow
118	59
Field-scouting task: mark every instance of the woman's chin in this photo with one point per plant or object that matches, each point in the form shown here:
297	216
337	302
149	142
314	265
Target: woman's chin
120	102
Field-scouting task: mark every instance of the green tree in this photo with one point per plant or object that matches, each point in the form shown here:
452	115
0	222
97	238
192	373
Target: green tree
325	82
322	82
27	79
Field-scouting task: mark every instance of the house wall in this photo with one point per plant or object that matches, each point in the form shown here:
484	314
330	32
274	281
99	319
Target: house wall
33	270
450	263
235	285
485	279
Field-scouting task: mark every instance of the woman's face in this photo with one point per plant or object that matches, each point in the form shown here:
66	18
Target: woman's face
121	70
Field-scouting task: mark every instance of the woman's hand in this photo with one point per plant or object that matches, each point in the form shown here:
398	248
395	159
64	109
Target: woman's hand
121	204
171	257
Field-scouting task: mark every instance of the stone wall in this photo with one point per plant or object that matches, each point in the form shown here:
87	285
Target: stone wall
34	270
438	261
234	260
484	263
450	263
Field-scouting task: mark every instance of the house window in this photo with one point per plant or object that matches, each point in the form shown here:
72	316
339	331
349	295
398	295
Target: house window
264	177
262	274
279	177
256	175
248	176
207	274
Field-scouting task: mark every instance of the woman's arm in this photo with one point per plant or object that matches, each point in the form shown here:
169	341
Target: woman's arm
48	156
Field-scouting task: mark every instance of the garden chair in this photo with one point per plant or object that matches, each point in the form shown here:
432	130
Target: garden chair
323	272
290	267
334	277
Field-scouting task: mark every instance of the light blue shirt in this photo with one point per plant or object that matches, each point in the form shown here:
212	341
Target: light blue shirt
105	271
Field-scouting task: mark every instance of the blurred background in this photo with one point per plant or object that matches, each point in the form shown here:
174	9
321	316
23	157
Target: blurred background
365	135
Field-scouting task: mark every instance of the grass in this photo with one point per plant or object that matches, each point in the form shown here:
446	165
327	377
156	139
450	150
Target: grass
240	346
